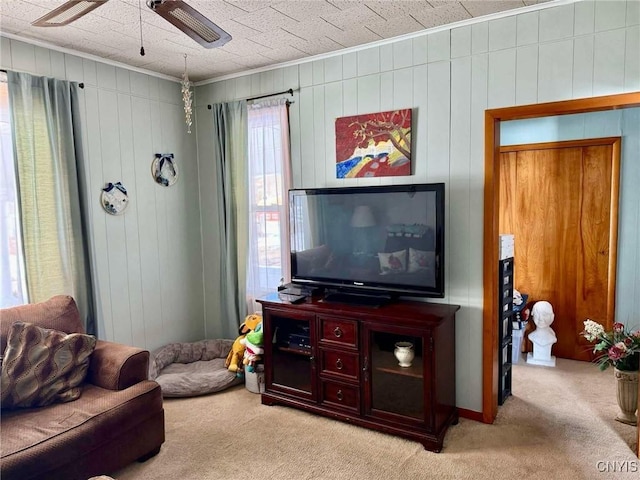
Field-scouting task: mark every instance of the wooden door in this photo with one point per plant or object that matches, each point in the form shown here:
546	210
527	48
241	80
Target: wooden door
560	200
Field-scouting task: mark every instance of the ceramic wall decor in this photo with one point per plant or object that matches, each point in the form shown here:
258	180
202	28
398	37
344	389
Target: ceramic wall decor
114	198
164	169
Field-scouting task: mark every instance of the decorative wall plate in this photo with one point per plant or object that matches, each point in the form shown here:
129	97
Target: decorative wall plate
114	198
164	169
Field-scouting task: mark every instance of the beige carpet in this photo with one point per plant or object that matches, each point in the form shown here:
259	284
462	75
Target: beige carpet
558	425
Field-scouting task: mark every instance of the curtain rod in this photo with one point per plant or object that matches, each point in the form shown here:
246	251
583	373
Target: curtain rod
81	84
290	92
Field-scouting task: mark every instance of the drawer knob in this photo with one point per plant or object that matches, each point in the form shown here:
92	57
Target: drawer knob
339	395
337	332
339	364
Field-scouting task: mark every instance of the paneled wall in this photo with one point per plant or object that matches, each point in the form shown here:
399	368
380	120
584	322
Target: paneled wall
449	78
148	261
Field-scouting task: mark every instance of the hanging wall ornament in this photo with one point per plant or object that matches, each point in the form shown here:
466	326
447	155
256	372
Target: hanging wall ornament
186	95
114	198
164	169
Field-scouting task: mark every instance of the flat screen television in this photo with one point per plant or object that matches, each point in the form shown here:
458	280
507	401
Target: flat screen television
384	241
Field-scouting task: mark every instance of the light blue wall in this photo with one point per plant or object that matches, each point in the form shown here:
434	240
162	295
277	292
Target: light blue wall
449	78
147	262
615	123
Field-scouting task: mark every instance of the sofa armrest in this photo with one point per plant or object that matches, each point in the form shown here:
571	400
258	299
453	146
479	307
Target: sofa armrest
115	366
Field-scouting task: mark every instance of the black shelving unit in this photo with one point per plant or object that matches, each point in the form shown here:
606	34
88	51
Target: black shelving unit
505	318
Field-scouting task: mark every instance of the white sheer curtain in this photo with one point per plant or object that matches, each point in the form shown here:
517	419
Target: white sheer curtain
13	290
269	173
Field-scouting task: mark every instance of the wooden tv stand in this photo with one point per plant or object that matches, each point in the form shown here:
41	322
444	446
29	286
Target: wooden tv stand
338	360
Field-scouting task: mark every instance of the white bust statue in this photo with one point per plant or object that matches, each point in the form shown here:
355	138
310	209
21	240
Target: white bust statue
543	337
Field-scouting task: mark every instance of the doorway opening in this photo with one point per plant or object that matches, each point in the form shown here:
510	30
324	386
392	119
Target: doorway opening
493	118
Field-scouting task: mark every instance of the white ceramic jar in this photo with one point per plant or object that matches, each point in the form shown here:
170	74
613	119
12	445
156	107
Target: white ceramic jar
404	353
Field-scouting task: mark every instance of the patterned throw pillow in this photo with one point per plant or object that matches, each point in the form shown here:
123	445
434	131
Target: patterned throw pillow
395	262
421	260
42	366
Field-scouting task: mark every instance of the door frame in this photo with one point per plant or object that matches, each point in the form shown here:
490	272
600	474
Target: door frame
490	273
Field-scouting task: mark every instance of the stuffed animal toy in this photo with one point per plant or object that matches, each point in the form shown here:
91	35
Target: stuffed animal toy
253	347
234	359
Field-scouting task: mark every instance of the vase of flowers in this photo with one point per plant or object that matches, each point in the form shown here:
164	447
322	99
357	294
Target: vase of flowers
619	348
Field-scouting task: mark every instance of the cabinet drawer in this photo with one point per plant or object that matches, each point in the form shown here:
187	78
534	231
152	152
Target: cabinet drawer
506	354
338	330
340	363
337	394
505	330
507	267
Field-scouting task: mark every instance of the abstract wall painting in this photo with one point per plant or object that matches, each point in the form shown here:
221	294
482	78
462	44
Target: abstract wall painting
374	145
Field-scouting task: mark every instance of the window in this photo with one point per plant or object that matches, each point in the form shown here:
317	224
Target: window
12	288
269	182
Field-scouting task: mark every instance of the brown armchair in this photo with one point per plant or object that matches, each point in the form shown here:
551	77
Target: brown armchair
118	419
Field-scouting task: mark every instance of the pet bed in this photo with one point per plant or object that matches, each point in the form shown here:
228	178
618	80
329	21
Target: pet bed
191	369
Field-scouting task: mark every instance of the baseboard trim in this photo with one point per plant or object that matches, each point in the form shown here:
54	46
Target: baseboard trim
470	414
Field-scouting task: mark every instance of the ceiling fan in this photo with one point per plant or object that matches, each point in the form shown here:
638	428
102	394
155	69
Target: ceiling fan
184	17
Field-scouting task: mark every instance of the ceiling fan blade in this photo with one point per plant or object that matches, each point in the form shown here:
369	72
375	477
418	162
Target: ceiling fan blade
190	21
67	13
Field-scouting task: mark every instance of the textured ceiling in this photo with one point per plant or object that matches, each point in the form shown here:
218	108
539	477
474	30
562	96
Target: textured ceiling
264	32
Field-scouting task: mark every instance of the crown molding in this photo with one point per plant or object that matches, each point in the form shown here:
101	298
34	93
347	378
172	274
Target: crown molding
88	56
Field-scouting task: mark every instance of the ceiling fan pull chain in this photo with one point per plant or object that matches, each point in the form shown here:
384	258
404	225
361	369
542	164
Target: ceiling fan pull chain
140	12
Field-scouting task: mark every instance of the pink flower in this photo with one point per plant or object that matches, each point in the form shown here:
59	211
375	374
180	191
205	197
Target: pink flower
618	351
615	353
618	327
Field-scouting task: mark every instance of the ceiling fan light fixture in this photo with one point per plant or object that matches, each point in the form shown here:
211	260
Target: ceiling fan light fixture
190	21
207	34
67	13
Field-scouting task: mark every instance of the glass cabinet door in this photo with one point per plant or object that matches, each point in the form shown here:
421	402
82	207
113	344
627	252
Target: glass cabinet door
395	375
292	368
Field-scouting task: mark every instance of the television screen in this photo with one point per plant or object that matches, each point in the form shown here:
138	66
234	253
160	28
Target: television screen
382	239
